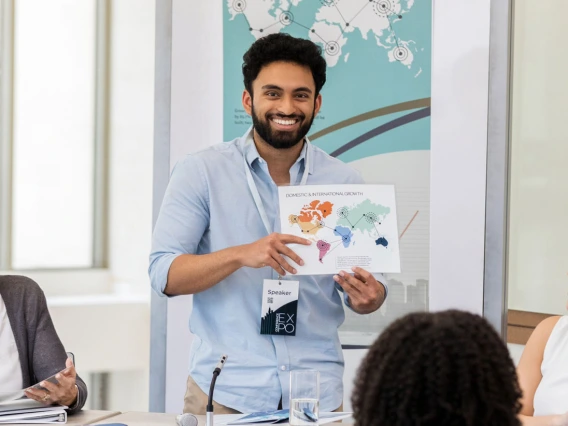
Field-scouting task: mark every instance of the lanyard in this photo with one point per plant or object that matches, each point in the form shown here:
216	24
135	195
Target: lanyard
256	195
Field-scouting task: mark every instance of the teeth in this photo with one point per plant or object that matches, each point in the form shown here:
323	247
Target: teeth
285	122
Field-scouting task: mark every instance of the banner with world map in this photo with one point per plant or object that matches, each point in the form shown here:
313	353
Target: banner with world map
375	113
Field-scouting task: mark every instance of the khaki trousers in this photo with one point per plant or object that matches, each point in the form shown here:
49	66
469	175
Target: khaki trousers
195	401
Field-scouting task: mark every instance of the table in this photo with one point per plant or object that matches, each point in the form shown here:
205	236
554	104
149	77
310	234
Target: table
134	418
81	418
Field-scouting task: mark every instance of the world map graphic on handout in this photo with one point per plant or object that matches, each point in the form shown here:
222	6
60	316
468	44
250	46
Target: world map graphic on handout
331	228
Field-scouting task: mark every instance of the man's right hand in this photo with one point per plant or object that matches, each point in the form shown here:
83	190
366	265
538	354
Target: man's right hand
269	251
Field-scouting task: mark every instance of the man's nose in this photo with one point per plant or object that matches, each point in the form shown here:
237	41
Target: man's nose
286	105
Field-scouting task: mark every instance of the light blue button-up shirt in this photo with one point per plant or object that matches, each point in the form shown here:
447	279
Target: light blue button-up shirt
208	206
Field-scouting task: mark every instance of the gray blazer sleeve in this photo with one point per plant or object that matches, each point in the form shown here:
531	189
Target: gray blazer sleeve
41	352
49	355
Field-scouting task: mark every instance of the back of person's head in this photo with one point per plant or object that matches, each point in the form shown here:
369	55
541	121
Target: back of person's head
283	47
447	368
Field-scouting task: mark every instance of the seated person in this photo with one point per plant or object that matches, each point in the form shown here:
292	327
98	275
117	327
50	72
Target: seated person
446	368
30	349
543	374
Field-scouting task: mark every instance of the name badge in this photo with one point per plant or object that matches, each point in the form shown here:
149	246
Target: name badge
279	307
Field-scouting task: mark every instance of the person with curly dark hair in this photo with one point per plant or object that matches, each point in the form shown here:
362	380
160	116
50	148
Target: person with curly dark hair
448	368
218	237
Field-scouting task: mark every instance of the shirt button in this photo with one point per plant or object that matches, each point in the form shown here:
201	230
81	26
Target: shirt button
283	368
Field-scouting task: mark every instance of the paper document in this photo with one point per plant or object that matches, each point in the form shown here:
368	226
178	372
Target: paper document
349	225
231	419
17	394
30	411
11	396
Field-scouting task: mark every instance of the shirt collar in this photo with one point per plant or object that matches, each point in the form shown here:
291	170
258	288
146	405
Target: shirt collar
251	153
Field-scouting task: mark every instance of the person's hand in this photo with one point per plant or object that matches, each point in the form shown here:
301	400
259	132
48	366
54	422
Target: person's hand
365	293
268	251
63	393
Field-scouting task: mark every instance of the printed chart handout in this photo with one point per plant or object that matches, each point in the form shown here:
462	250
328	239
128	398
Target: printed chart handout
349	225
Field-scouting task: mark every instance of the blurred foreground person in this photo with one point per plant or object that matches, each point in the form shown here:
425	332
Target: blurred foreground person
448	368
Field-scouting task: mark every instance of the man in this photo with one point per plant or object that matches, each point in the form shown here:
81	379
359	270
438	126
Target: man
217	238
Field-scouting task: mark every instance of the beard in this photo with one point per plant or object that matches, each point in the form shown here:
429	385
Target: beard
282	139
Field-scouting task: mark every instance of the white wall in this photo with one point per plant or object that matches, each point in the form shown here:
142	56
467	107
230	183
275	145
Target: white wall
196	105
539	176
460	72
131	119
131	140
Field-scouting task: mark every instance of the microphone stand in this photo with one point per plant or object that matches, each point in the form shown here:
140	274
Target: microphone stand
216	372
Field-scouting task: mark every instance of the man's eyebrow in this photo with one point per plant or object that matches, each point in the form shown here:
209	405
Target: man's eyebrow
271	87
275	87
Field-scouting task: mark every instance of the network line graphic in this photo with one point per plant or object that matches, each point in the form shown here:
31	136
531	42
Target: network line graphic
381	8
344	232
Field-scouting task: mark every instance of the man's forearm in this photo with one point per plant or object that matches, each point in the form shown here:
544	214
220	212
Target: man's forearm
192	273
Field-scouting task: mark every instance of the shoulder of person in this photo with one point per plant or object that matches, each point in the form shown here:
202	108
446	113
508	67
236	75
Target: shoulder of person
540	335
20	284
328	162
209	154
544	329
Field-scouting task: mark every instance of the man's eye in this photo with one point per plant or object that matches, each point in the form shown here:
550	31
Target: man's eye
272	94
302	95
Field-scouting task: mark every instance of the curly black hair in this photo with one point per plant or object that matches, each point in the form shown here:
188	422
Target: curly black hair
448	368
283	47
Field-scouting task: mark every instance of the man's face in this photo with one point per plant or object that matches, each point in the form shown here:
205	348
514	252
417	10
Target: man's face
284	104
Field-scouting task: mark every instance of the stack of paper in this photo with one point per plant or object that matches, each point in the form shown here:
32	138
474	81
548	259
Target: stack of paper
30	411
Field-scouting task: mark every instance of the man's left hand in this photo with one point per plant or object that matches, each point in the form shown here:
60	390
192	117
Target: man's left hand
365	293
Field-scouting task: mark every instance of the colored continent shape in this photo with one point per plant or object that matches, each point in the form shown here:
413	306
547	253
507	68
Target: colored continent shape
315	210
310	218
323	248
382	241
345	234
365	216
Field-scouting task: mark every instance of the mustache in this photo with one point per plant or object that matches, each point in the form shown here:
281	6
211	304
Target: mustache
287	117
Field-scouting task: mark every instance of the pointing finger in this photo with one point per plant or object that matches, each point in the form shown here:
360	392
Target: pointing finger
293	239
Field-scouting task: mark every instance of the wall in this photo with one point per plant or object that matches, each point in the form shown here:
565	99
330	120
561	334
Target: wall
131	113
539	176
460	76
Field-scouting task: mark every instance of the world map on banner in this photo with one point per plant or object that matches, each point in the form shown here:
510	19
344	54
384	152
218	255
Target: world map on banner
330	27
378	57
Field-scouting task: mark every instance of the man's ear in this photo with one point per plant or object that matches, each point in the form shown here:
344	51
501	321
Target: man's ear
247	102
317	104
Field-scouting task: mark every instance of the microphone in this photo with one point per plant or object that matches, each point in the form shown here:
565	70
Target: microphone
220	364
216	372
186	420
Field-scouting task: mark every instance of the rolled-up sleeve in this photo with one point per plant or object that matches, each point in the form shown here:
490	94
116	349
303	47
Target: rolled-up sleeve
182	221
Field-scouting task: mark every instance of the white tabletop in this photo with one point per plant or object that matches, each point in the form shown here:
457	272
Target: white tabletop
134	418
